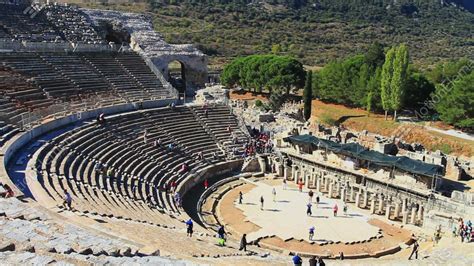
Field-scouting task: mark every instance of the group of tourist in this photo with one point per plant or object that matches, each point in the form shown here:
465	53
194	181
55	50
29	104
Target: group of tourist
463	230
313	261
258	144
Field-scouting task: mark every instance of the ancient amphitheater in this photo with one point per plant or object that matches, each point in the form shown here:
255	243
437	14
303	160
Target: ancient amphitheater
88	109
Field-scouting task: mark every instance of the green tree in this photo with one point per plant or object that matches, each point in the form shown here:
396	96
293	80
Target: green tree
456	101
399	78
386	81
308	95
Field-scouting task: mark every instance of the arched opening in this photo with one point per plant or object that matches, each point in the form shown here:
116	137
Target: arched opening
176	75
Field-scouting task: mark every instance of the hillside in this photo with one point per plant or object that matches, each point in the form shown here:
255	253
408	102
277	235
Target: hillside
314	31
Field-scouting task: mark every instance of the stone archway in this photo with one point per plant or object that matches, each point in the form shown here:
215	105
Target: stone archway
177	75
193	70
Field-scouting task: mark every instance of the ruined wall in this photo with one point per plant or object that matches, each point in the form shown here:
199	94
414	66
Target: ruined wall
151	44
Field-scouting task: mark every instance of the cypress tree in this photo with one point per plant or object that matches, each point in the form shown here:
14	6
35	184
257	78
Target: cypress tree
386	81
308	95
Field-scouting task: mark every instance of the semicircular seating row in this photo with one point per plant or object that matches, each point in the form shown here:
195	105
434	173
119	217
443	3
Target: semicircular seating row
140	169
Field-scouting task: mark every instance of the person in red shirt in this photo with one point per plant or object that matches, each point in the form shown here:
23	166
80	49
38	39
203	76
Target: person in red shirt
335	208
206	184
300	186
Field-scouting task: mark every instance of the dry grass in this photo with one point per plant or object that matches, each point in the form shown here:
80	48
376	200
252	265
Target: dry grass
377	124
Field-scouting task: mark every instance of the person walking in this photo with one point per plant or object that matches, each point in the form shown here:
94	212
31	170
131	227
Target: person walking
261	202
274	193
308	209
189	228
300	186
313	261
243	242
297	260
310	194
285	185
221	232
414	250
241	197
311	233
344	209
335	209
317	201
67	200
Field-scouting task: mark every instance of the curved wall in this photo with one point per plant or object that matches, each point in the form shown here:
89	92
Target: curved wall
10	148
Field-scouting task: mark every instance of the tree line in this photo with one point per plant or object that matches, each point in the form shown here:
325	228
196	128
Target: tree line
276	74
386	81
380	80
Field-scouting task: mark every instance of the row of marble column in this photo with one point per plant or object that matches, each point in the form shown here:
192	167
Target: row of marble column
348	191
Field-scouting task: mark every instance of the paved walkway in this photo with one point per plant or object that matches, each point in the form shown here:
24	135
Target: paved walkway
286	217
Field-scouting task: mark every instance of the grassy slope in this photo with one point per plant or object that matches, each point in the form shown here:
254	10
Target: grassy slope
377	124
313	38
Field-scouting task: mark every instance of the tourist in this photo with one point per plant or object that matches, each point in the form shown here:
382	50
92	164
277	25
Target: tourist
206	113
317	200
341	255
200	156
243	243
310	194
221	232
308	209
67	200
240	197
335	209
414	250
300	186
285	185
261	202
206	183
7	191
311	233
313	261
274	193
297	260
98	167
145	136
321	262
437	235
184	168
344	209
189	228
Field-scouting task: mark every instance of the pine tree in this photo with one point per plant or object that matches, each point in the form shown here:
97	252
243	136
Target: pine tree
399	78
386	81
308	95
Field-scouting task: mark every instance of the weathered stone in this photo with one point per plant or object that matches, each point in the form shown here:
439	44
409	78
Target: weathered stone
86	251
7	247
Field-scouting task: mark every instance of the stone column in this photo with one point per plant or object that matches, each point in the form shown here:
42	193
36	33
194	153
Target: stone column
351	197
404	205
413	216
366	199
397	210
420	213
343	195
405	217
326	185
381	203
318	184
388	209
314	177
330	190
357	200
372	206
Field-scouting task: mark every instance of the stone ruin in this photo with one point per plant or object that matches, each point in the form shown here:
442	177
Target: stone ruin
151	44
